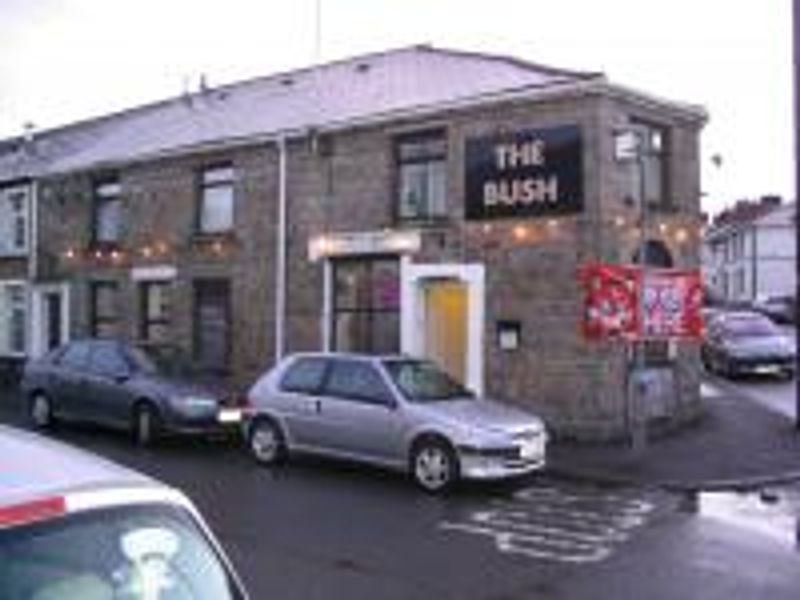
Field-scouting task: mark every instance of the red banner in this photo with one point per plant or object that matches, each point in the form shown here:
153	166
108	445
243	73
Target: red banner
672	301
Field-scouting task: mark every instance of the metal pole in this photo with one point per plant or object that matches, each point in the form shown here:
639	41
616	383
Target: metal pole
796	38
639	425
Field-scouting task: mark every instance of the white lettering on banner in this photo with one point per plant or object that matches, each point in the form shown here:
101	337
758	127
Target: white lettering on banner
523	192
526	154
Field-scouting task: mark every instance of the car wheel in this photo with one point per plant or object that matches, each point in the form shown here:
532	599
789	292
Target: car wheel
41	410
434	466
146	424
266	441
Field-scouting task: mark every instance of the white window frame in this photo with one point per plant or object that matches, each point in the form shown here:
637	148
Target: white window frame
9	218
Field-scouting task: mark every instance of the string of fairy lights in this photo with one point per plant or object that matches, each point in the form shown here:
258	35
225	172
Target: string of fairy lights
679	230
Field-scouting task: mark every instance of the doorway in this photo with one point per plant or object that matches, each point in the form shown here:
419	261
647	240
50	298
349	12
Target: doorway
445	331
50	324
442	317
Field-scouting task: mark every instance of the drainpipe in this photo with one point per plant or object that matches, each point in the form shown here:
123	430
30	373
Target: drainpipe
32	333
280	254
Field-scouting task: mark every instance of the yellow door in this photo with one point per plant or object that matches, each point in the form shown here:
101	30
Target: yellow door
446	326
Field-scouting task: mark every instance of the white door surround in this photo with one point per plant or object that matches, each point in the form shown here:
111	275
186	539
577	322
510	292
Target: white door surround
412	315
40	320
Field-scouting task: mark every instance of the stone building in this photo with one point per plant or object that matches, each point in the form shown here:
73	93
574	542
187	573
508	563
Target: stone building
432	202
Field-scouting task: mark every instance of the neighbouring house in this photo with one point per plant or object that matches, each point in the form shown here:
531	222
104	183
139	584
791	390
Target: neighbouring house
750	251
432	202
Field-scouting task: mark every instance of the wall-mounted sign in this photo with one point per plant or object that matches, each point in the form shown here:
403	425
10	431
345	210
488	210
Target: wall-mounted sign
364	242
508	335
535	172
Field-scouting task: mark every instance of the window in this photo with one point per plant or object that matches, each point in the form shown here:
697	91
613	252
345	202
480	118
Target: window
304	376
156	299
357	381
106	359
107	217
212	324
104	317
13	318
650	163
76	356
366	305
14	220
215	214
422	176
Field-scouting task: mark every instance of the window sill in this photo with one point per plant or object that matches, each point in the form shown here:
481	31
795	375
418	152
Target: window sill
438	222
14	253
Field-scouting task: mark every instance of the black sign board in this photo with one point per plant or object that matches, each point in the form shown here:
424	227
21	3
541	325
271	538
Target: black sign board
535	172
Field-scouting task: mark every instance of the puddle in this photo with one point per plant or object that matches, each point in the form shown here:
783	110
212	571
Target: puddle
773	514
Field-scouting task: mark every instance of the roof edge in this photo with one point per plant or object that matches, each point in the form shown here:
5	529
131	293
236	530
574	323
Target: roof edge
694	113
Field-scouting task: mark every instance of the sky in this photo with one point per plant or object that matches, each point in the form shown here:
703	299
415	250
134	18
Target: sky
65	60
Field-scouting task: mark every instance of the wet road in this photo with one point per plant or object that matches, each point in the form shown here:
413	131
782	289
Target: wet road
313	530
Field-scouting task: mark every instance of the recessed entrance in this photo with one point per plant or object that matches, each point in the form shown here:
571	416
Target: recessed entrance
445	315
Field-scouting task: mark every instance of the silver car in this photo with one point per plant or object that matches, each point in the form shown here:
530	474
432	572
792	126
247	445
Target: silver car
393	411
74	526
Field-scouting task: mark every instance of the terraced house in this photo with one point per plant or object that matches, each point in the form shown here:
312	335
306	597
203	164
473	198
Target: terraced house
425	201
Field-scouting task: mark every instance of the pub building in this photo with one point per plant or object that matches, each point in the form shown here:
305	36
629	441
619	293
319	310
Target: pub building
432	202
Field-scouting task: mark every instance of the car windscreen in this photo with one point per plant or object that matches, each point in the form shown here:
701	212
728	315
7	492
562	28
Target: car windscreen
421	381
748	327
142	552
170	361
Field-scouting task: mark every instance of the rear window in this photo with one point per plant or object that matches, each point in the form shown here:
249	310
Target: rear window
304	376
740	327
148	552
75	356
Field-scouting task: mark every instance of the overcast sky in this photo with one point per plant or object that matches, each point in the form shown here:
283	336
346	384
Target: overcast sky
63	60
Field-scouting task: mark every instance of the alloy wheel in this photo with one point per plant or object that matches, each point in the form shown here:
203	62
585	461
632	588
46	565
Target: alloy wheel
41	411
434	467
266	443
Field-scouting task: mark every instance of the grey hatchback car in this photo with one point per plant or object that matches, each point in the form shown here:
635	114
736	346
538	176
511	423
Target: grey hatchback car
392	411
145	389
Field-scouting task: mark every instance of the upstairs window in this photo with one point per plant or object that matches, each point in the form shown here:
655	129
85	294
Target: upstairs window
107	209
643	169
14	220
421	166
215	211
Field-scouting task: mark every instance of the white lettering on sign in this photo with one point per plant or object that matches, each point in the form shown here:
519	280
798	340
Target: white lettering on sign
525	154
531	190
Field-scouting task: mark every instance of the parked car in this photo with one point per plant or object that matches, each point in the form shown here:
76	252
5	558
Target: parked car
74	526
393	411
146	389
746	342
781	309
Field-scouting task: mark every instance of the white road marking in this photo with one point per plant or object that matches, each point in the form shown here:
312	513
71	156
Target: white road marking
546	523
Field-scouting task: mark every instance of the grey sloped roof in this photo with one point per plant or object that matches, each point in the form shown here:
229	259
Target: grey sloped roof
337	92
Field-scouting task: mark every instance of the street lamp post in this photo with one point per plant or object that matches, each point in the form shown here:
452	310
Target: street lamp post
635	143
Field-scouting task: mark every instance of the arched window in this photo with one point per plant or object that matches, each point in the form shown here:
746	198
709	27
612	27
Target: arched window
656	254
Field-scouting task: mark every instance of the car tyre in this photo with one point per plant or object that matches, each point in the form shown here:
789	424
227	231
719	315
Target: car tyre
267	443
41	410
146	424
434	466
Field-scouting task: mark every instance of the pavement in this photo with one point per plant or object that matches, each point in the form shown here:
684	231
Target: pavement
737	444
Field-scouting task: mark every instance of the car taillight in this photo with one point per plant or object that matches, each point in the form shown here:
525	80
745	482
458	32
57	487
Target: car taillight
30	512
